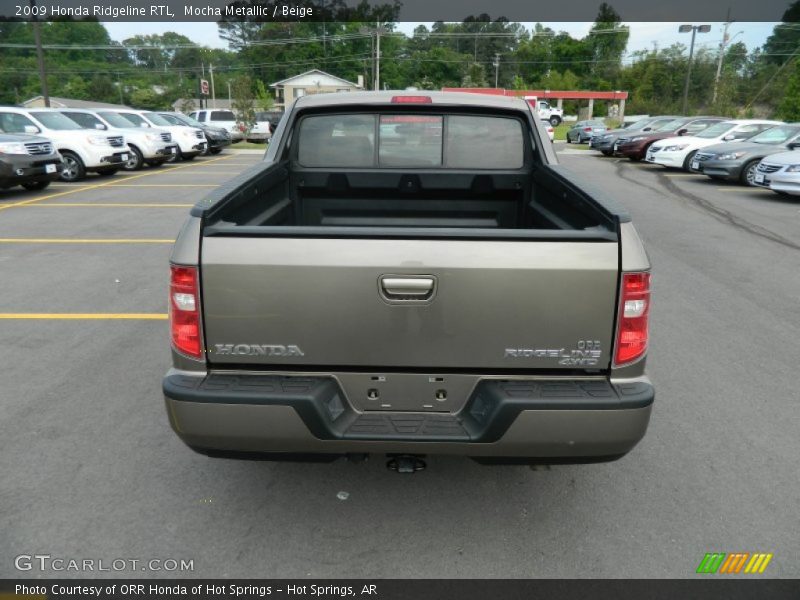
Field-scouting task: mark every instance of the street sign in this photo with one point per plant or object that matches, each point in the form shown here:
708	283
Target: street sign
204	87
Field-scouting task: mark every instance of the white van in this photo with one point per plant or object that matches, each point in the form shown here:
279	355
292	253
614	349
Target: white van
220	118
151	146
81	151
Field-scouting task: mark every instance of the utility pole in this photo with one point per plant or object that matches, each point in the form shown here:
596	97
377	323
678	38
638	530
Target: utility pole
721	54
378	56
496	64
376	31
230	101
213	95
37	37
694	29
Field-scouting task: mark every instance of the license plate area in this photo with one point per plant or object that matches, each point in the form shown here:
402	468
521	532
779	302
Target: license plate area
407	392
49	168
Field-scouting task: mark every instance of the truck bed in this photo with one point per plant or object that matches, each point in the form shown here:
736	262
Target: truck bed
268	197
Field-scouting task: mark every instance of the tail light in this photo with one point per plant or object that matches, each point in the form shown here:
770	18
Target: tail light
184	311
632	326
587	128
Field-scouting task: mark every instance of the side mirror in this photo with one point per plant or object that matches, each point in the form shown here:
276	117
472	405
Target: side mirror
793	145
144	124
683	131
32	129
728	138
100	126
647	129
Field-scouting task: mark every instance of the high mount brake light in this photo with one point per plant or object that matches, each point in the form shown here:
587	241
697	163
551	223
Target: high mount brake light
634	313
184	311
412	100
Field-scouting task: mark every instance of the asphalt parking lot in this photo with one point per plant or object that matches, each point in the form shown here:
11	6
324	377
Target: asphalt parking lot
92	469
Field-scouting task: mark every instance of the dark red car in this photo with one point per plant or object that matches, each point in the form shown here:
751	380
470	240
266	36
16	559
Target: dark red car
635	147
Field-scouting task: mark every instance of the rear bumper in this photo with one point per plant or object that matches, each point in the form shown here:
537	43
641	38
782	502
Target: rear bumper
552	420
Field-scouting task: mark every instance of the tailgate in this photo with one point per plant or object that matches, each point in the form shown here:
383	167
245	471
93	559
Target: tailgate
430	304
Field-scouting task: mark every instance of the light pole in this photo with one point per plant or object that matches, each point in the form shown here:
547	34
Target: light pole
694	29
496	64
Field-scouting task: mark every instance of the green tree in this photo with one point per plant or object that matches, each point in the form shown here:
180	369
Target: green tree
243	100
789	107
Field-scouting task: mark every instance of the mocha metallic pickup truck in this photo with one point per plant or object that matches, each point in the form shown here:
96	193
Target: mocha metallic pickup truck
409	273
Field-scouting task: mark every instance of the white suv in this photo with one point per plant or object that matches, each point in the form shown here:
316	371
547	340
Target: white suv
220	118
191	140
81	150
151	146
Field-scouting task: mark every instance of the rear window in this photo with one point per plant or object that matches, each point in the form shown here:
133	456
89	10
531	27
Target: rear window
411	140
222	115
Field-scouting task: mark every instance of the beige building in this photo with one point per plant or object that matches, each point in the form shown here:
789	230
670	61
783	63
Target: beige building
311	82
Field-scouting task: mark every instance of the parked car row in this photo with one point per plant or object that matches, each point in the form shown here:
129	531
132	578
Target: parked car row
39	145
260	131
756	152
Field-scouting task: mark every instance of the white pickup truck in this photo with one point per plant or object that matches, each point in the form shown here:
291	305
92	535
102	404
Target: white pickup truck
545	111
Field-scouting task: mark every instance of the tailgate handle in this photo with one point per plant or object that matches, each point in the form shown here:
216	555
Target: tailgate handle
407	289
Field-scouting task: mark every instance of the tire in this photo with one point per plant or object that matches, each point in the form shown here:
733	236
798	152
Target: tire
607	152
107	172
136	161
555	121
188	156
74	169
567	137
155	163
688	160
635	158
214	150
35	186
748	174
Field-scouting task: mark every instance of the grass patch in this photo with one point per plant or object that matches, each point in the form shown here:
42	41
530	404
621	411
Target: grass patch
247	146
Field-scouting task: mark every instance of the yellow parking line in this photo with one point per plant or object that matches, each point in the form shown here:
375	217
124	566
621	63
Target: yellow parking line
79	241
160	185
91	316
110	205
681	174
744	189
100	185
198	172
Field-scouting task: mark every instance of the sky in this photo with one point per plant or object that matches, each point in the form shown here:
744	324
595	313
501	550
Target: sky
642	34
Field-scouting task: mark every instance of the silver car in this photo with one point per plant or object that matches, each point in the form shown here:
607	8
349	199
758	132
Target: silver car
780	172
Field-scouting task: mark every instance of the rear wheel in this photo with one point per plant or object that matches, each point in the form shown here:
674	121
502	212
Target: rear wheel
73	166
35	185
748	176
136	160
555	121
